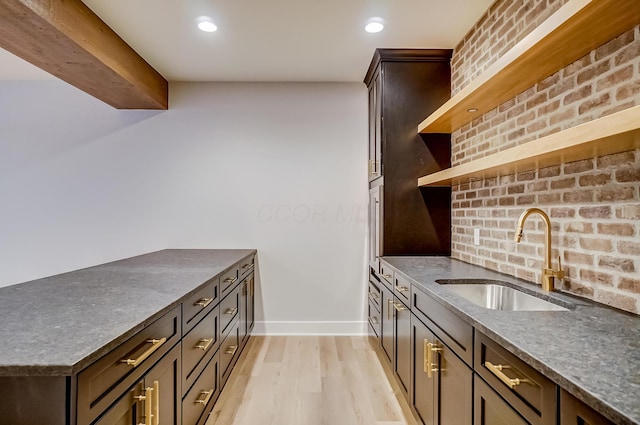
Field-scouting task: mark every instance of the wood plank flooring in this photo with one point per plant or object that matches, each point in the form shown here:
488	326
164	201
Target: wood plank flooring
310	380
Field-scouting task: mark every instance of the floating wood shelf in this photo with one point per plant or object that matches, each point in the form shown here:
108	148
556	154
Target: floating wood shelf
570	33
614	133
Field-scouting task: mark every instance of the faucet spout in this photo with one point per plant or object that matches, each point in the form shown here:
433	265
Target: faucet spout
548	273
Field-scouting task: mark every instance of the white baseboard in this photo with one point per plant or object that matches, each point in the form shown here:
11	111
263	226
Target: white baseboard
309	328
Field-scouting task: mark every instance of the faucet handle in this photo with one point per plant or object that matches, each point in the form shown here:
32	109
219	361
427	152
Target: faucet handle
560	273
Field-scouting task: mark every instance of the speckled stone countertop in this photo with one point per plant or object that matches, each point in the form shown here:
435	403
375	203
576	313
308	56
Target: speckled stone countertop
60	324
591	351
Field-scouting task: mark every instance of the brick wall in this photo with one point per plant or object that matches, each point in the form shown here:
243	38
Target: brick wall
594	204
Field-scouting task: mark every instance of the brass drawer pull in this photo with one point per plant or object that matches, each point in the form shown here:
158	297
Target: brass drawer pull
231	280
373	297
204	344
231	349
429	349
155	344
399	306
204	397
387	276
156	416
148	413
374	320
247	266
204	302
231	311
497	371
401	288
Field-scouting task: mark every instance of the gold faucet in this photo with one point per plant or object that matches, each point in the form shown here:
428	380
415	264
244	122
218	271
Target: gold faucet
548	273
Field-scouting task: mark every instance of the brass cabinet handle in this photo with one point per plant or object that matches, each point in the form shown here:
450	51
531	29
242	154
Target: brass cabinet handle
374	320
203	344
247	266
204	397
374	297
231	311
399	306
155	344
231	279
401	288
156	389
387	276
497	371
231	349
204	302
148	414
429	349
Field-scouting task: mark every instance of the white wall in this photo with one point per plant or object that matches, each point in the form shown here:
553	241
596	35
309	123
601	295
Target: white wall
277	167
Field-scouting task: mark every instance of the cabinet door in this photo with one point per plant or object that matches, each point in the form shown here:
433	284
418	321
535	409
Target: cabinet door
402	344
425	381
128	410
491	409
163	390
575	412
375	231
387	328
244	294
455	395
375	127
251	297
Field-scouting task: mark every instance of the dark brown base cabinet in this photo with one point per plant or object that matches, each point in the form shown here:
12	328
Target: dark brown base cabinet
171	372
452	374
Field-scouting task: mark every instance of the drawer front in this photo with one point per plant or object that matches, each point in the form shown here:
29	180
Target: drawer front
375	295
197	345
229	309
199	304
229	352
199	401
247	265
402	288
229	280
100	384
575	412
490	409
374	318
527	390
386	274
451	329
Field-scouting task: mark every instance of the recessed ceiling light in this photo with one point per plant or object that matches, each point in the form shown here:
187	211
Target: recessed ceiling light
472	110
374	25
206	24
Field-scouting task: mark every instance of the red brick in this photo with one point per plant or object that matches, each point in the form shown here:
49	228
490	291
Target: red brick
579	227
614	194
629	248
595	179
603	211
629	284
539	99
578	289
615	78
616	300
560	116
599	102
616	229
526	200
578	166
515	111
537	126
628	54
578	258
628	90
620	264
562	87
526	176
628	175
630	212
550	81
590	73
563	184
549	172
596	277
549	198
507	200
614	45
562	212
577	66
578	196
616	159
604	245
518	188
549	108
578	94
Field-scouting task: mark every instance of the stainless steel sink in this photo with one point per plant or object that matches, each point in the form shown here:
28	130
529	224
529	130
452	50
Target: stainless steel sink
498	297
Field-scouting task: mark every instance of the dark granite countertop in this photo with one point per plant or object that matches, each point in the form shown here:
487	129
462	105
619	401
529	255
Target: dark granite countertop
592	351
60	324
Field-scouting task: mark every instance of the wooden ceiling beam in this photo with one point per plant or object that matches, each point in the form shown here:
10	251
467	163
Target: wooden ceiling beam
68	40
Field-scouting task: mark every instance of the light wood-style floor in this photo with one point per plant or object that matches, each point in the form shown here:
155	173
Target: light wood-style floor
309	380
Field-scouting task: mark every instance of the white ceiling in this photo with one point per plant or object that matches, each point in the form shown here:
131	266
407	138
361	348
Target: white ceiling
274	40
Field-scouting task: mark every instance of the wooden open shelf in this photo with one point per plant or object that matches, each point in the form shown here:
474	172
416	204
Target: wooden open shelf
614	133
570	33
